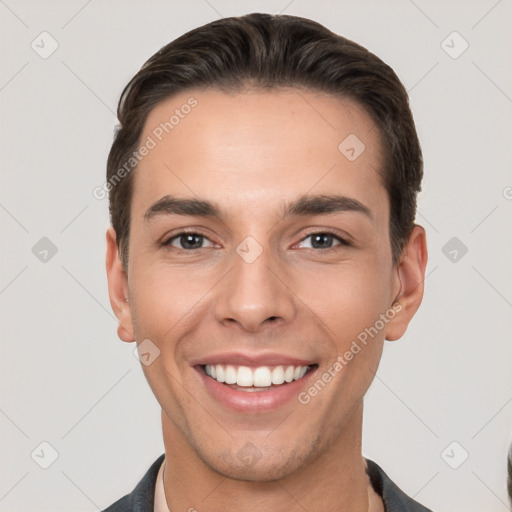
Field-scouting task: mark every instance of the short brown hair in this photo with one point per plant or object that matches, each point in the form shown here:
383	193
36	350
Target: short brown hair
272	51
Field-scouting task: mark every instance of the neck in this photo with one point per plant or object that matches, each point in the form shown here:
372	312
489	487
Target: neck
335	480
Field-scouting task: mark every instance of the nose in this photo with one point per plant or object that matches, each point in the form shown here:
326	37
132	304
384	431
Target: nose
255	294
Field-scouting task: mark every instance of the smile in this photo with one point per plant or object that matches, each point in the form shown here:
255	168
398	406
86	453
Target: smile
253	384
261	378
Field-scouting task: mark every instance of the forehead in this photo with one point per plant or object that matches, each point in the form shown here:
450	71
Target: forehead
258	147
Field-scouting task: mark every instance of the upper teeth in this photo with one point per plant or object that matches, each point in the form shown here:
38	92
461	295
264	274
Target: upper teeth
260	377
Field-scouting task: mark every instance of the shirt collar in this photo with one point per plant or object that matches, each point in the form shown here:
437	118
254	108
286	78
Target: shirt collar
393	497
160	502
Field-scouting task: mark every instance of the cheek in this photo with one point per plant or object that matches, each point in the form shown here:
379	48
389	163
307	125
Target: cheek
347	298
172	307
166	301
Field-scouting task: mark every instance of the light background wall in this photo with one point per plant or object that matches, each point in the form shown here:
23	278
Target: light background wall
66	379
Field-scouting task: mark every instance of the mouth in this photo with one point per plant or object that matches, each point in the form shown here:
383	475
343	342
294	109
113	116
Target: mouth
254	389
255	379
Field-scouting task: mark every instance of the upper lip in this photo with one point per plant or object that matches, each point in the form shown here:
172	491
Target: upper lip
251	360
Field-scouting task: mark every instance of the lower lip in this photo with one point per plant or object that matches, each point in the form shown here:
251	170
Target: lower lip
255	401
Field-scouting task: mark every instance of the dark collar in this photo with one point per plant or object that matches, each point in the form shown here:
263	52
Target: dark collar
141	499
395	500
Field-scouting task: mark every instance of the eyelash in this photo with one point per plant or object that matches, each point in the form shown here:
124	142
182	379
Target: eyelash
343	241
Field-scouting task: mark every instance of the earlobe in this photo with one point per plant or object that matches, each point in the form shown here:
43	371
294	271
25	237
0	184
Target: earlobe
411	275
118	288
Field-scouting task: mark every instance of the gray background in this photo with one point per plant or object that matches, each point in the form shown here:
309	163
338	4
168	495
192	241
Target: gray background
66	379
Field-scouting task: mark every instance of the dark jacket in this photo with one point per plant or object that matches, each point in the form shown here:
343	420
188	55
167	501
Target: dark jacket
142	497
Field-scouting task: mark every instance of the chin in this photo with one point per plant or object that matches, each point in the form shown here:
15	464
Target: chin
250	465
260	472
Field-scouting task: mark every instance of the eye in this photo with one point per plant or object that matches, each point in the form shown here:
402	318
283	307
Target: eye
324	240
187	240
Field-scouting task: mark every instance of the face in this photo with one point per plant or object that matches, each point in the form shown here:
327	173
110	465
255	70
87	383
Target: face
259	255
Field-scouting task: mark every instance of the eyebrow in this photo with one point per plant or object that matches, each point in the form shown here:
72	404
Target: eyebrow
303	205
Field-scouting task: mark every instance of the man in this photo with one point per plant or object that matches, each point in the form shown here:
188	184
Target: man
262	189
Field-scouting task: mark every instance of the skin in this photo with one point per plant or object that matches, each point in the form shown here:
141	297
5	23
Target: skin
252	152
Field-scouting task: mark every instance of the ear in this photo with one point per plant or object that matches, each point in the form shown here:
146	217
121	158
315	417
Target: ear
118	288
410	275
